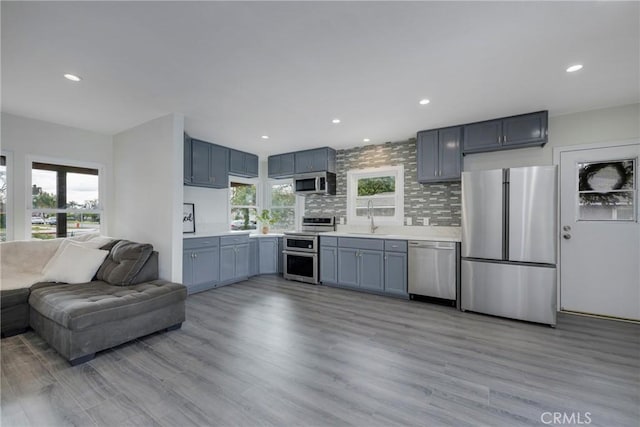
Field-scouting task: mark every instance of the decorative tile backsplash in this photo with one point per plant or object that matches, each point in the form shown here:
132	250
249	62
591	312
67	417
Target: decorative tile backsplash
440	202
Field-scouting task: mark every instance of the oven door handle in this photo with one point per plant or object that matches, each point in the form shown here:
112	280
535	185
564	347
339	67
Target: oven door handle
300	253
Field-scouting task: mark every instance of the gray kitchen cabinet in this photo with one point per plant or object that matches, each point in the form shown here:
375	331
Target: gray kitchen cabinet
328	259
234	259
219	164
371	269
483	136
187	159
361	263
243	164
209	165
438	154
348	267
254	258
316	160
395	267
372	265
200	264
281	165
268	255
200	168
524	130
280	255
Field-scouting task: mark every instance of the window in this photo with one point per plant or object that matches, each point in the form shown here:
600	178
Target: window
243	203
379	191
4	197
65	200
283	204
606	191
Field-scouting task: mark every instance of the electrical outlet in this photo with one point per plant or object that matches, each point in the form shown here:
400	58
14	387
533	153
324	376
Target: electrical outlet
425	220
408	220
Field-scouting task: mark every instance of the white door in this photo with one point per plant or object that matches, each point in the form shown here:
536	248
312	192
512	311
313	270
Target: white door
600	243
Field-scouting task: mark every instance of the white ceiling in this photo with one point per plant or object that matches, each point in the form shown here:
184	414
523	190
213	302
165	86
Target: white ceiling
239	70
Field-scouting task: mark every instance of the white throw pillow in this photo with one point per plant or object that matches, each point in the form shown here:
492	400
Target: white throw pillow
97	241
74	264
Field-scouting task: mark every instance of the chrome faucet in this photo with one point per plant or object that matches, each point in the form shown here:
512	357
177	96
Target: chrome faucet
372	228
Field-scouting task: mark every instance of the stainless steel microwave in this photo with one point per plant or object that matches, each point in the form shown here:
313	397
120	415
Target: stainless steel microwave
315	183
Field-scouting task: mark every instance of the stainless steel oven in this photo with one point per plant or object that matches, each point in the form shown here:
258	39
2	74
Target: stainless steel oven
301	257
301	249
301	266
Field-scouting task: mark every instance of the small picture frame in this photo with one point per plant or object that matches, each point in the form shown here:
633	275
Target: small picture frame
188	218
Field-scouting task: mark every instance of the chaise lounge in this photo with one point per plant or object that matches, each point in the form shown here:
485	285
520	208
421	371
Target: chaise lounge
112	294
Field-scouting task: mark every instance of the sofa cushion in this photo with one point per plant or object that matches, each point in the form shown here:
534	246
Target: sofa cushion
74	264
124	262
81	306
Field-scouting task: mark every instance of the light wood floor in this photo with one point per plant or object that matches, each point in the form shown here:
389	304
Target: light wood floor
272	352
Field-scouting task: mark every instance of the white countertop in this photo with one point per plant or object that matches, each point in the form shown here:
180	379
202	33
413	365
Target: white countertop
426	237
213	234
229	233
424	233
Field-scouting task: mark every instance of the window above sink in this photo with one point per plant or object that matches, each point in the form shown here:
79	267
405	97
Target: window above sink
382	188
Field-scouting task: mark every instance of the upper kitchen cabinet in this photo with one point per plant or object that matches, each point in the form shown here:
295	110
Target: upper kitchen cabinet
243	164
439	158
316	160
281	165
525	130
209	165
187	159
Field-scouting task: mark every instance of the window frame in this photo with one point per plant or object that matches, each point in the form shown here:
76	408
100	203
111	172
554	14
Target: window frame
102	191
9	233
633	191
241	180
352	191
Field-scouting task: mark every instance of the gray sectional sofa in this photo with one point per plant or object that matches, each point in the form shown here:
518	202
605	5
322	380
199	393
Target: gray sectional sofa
125	300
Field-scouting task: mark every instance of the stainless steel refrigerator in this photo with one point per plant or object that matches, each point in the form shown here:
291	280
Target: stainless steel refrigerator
509	229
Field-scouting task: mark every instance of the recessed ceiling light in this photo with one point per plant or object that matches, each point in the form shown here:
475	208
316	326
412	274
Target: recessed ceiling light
336	121
265	137
424	101
72	77
366	140
574	68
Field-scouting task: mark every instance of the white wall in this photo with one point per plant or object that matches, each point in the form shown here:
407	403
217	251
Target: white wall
211	208
24	137
604	125
148	175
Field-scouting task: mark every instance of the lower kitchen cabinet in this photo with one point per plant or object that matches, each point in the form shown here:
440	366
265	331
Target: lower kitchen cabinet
280	255
374	265
268	255
395	273
348	267
264	255
234	258
254	257
328	264
201	264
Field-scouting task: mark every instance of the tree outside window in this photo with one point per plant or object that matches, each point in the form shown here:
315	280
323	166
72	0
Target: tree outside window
283	205
242	201
382	189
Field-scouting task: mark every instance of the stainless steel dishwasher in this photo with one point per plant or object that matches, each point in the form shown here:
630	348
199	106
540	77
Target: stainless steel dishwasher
433	269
